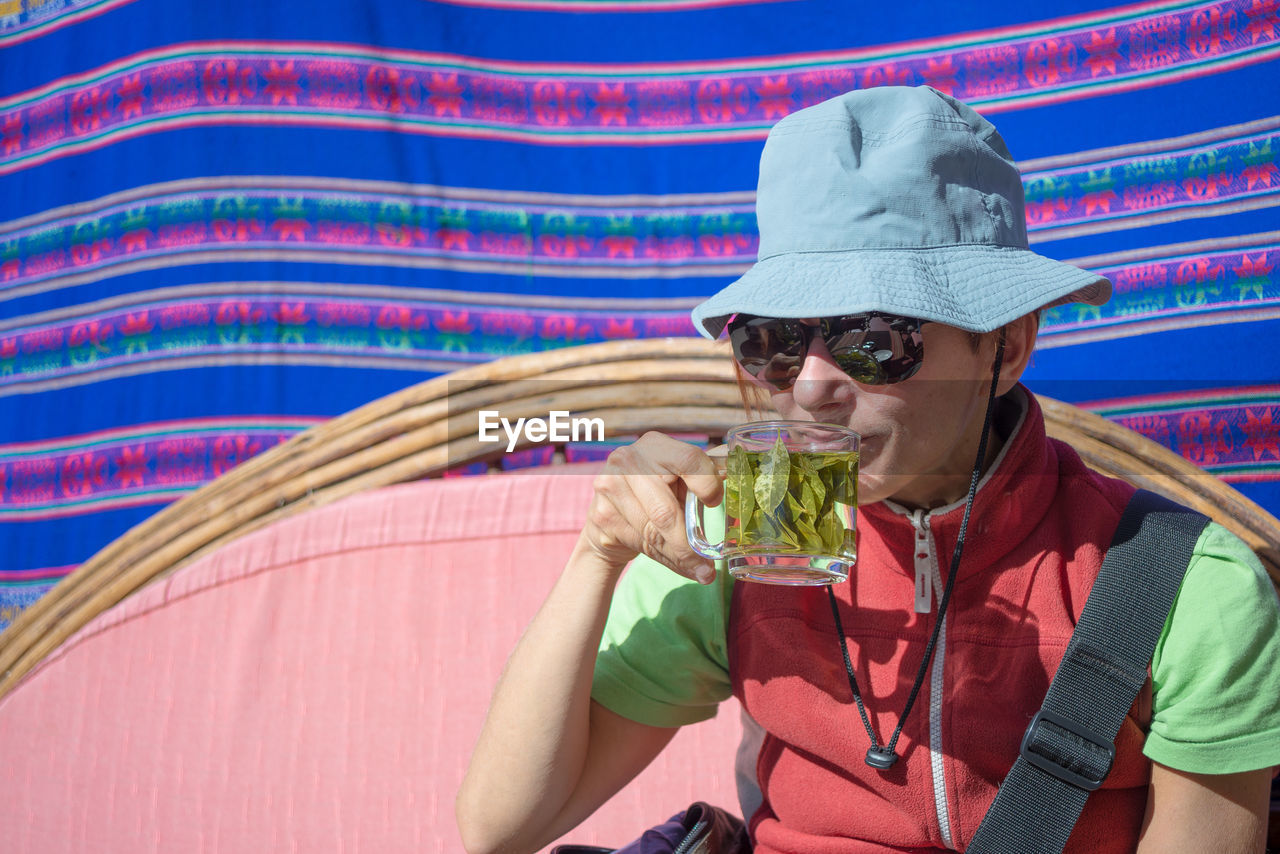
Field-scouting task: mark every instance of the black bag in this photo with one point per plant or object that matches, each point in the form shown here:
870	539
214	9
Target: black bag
701	829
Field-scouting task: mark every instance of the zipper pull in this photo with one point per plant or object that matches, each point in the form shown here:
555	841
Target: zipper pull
923	564
924	590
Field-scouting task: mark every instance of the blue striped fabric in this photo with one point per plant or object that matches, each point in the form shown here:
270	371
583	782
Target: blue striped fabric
223	223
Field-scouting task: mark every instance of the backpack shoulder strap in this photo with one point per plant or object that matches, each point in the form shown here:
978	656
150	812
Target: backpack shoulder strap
1069	747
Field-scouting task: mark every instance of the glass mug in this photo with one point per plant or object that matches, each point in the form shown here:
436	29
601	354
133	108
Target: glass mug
790	503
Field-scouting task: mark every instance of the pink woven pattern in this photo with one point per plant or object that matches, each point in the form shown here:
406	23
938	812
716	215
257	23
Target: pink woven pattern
316	686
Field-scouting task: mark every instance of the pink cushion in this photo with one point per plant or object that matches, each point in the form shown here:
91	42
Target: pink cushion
316	686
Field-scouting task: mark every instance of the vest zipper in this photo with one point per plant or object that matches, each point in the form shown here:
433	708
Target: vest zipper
928	590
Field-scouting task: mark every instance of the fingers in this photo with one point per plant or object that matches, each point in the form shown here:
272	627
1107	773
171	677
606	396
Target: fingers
639	503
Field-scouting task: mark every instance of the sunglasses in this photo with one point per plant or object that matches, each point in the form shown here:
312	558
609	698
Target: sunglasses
872	348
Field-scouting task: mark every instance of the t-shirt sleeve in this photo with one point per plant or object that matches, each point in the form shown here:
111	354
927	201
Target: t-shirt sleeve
663	659
1216	669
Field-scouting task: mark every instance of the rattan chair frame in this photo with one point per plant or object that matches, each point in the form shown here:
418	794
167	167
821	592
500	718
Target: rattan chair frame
680	385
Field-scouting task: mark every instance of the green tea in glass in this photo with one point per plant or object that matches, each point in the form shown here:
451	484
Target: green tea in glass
790	503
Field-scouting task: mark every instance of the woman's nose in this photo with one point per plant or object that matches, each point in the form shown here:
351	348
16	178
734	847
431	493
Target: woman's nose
821	387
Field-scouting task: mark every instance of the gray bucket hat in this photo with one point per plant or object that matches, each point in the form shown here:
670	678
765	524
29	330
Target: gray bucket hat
900	200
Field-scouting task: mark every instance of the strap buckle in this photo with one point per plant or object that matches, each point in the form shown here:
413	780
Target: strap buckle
1077	755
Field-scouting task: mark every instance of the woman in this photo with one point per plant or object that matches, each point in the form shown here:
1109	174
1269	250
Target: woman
895	294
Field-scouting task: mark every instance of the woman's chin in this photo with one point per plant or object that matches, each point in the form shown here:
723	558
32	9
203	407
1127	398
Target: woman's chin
873	488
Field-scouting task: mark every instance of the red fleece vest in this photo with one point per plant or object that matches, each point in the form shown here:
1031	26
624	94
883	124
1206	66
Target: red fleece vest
1040	525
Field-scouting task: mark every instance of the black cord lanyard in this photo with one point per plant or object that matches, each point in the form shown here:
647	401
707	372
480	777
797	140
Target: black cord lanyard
883	756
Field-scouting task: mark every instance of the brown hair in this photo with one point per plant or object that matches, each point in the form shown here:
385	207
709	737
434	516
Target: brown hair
755	400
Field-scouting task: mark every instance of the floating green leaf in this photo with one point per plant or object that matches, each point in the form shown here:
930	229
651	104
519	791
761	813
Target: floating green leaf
812	493
808	534
831	533
738	472
771	484
843	472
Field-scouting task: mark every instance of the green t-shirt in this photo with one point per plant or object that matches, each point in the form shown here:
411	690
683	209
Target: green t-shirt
1215	672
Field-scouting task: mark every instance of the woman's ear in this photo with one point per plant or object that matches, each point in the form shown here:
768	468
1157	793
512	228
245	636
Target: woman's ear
1019	343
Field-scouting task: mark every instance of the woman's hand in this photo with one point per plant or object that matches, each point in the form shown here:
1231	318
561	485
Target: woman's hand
638	506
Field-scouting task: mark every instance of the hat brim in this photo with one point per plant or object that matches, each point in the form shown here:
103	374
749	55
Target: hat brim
973	287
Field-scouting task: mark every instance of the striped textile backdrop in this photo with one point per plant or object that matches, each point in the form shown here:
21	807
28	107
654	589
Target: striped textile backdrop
221	223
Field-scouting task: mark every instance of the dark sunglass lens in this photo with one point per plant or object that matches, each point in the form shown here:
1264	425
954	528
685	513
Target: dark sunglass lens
768	348
875	349
852	348
860	366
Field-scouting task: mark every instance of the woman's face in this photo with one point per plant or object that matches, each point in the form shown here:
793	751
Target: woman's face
920	436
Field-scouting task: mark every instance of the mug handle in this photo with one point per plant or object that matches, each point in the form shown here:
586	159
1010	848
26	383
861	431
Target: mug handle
693	508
